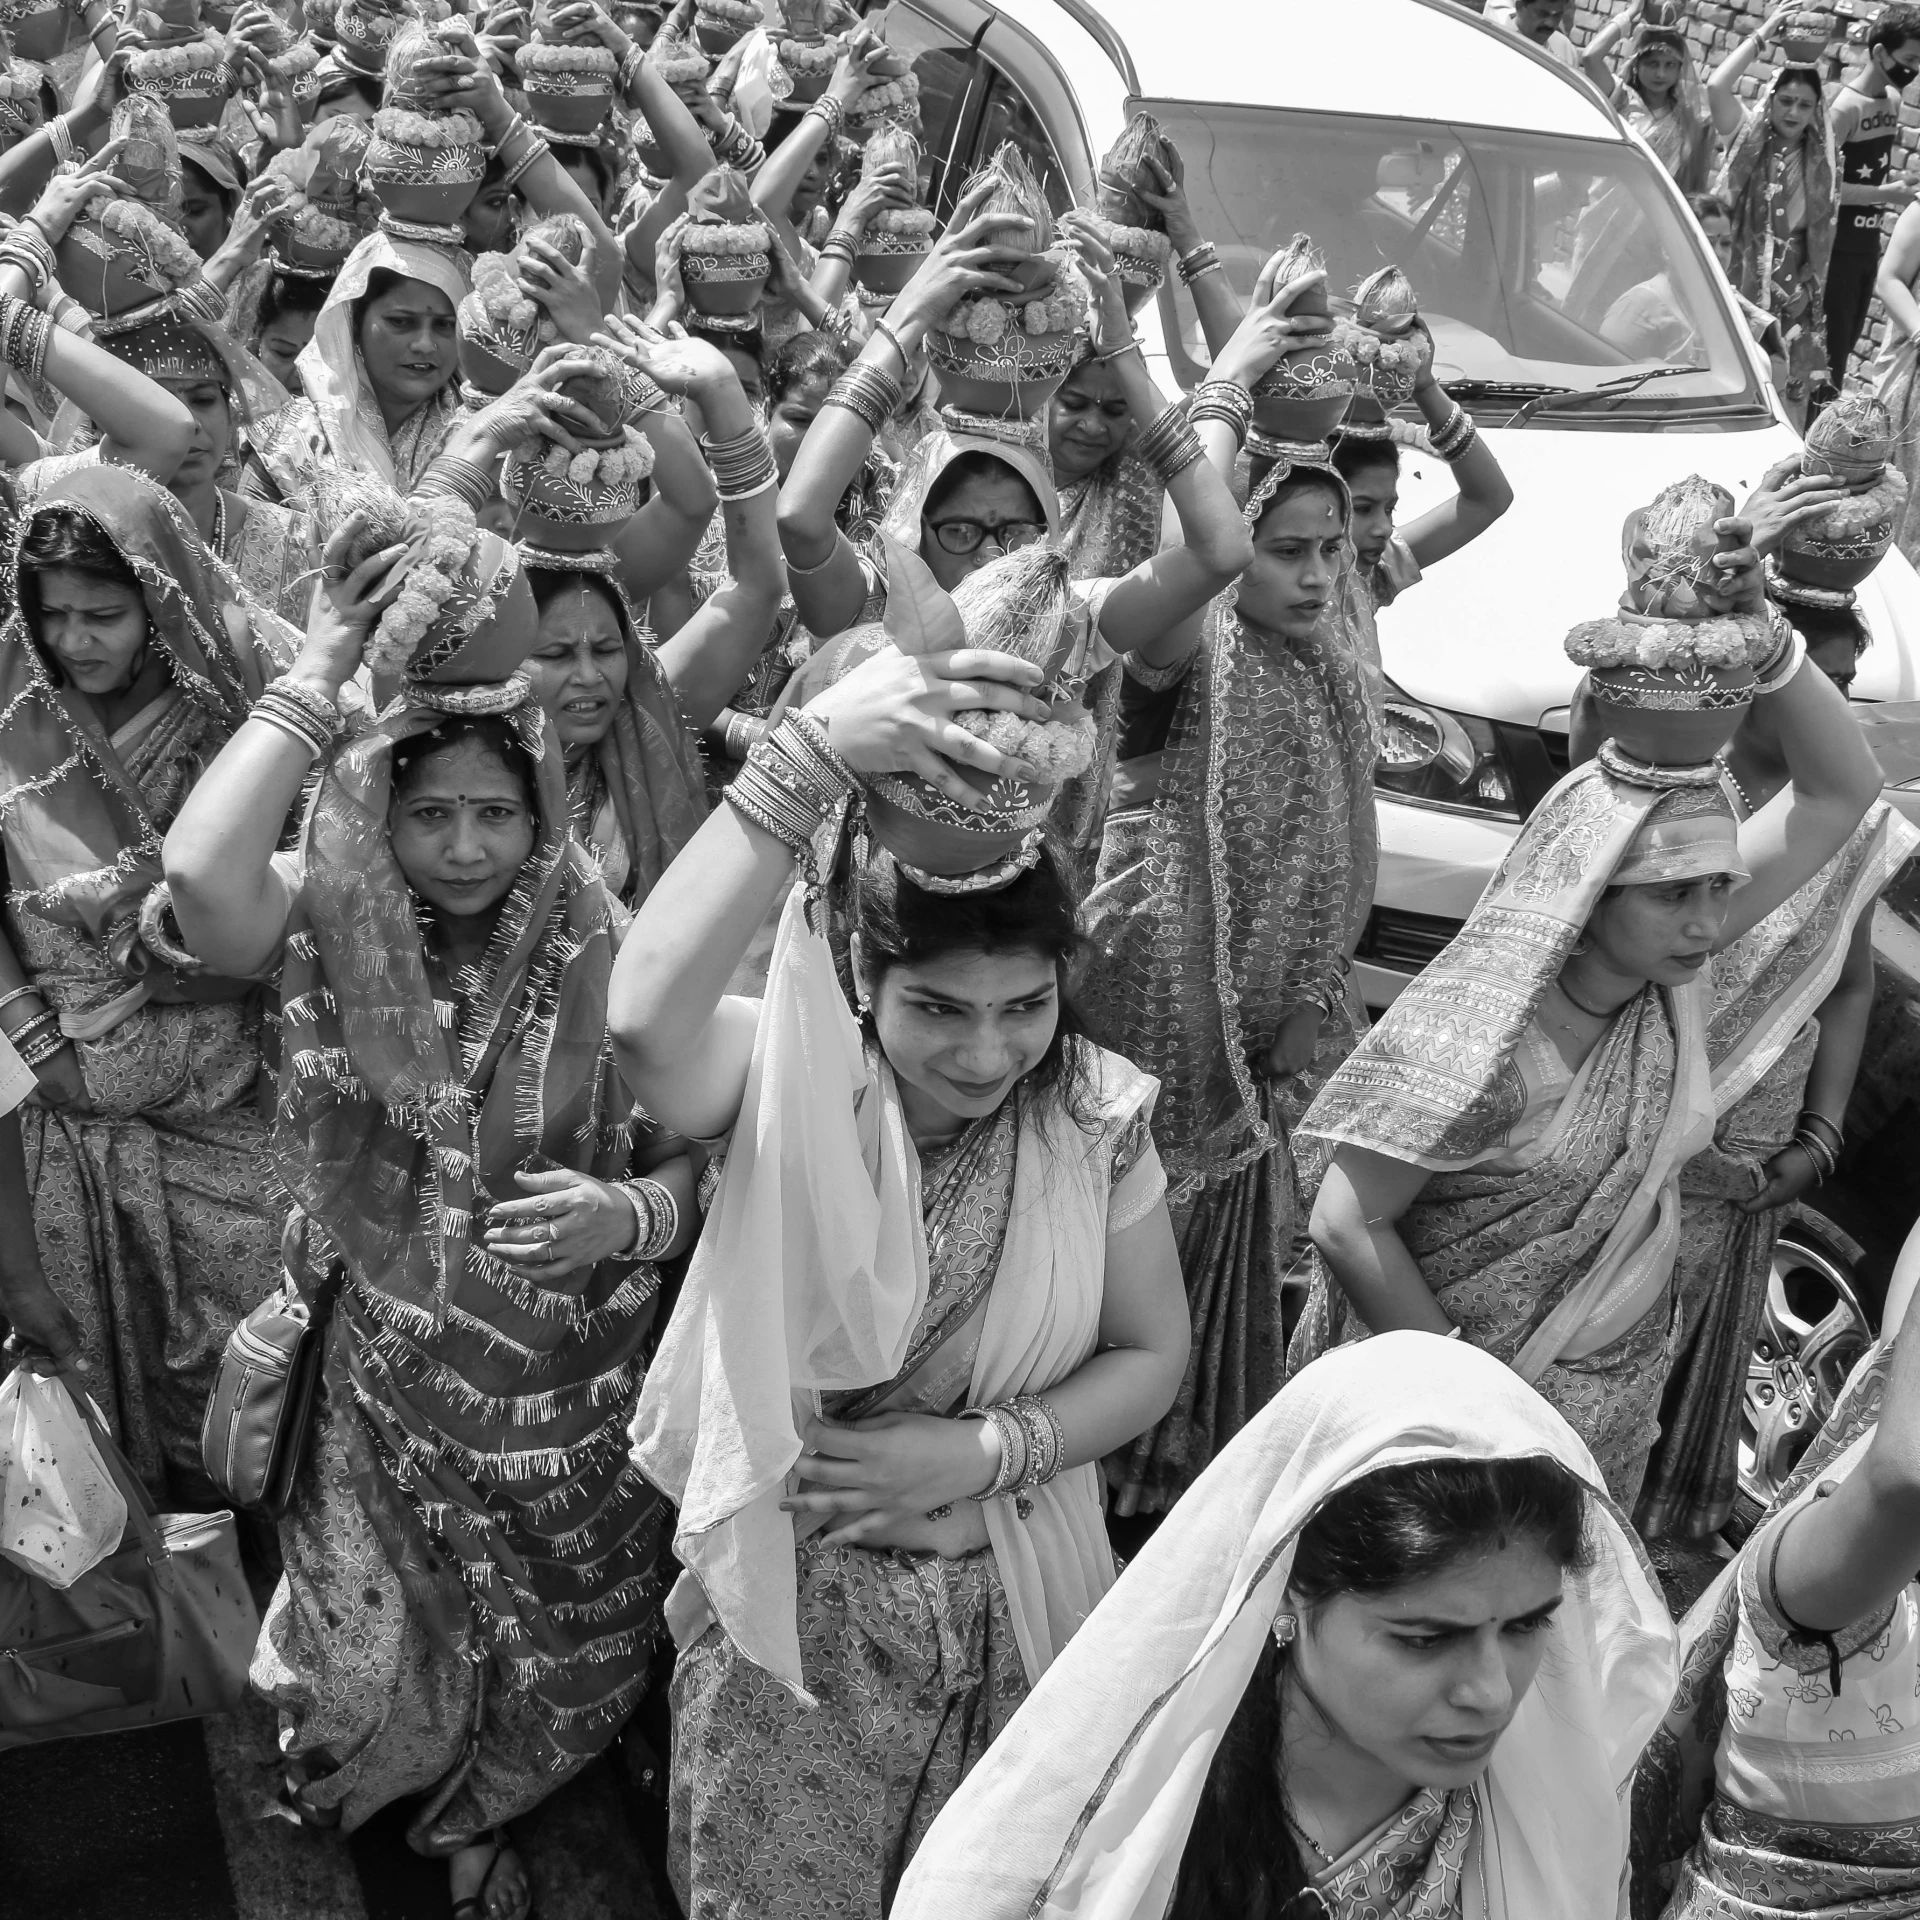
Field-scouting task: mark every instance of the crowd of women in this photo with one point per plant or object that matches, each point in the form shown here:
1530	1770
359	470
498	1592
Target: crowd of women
769	956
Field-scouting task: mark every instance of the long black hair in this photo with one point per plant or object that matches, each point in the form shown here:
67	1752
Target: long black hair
67	537
1384	1530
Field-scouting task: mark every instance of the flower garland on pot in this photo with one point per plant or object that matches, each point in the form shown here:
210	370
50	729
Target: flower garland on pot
325	217
895	239
502	326
719	24
806	52
725	252
424	163
894	96
1849	444
573	499
1130	224
120	253
183	64
568	86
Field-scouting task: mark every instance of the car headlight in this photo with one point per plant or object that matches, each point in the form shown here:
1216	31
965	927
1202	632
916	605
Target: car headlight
1430	757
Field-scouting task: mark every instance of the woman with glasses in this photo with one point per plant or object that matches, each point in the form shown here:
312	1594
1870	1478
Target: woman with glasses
963	499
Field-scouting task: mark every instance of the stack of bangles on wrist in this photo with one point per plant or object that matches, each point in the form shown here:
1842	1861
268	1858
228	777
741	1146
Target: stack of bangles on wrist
1785	660
869	392
1452	440
1170	445
742	466
1225	400
1205	258
60	138
36	1041
739	734
630	64
833	113
1032	1445
838	245
24	334
28	248
454	475
1101	355
792	783
656	1216
300	713
737	148
1821	1141
535	147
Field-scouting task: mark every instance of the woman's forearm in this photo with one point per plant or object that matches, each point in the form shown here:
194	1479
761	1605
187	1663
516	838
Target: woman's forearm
1844	1015
676	132
1112	1399
664	535
1355	1225
1722	98
786	166
1894	282
706	660
146	426
1482	491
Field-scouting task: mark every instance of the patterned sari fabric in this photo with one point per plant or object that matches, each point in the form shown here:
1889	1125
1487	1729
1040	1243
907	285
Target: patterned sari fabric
1791	959
790	1810
1552	1251
1897	385
337	423
471	1594
637	797
1109	524
154	1213
1785	207
1235	898
1764	1792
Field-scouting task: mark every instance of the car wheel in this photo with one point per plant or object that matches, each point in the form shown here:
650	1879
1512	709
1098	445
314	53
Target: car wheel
1813	1331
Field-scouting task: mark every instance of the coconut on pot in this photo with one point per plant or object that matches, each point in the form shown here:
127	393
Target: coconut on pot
896	239
1827	558
1129	223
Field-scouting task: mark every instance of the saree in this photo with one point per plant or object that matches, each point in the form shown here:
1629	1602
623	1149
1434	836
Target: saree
1761	1036
636	797
911	1658
1551	1249
471	1594
155	1214
1236	896
1785	209
1896	383
1083	1806
337	423
1763	1792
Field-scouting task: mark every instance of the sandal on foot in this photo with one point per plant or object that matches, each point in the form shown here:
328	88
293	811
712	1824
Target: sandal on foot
474	1906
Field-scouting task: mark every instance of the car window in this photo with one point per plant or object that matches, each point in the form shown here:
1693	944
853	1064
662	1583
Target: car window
946	69
1008	117
1541	262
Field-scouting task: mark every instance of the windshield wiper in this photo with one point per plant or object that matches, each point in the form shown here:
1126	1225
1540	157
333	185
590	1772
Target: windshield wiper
1503	389
1610	391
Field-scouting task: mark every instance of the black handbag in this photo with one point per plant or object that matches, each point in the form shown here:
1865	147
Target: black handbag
254	1434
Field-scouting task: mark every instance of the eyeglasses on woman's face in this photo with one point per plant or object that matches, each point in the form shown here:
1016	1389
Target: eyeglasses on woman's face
969	536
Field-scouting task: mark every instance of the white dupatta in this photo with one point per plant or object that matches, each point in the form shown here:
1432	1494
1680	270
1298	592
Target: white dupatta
810	1278
1083	1805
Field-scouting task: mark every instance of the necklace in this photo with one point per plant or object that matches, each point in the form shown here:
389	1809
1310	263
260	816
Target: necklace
1306	1839
217	540
1592	1013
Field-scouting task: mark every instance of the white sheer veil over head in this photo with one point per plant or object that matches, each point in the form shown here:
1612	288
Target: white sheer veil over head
1083	1805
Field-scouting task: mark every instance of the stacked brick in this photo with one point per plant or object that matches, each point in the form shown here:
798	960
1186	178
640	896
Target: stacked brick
1715	30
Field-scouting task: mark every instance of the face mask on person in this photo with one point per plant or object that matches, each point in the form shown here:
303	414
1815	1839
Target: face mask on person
1899	75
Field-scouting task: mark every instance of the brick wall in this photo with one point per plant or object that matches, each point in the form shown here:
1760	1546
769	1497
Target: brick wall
1715	30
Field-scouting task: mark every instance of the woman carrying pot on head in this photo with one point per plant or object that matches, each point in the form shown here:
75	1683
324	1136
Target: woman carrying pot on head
126	665
471	1594
1779	177
1781	1086
964	499
1395	1654
1234	879
626	707
939	1283
1505	1143
1788	1767
1657	89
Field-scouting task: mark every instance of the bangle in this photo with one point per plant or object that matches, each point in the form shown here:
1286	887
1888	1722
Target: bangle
1046	1436
1170	445
709	1184
792	783
27	248
630	65
742	466
1013	1449
1784	664
738	735
537	149
1205	258
1823	1157
25	333
819	566
867	391
300	713
1835	1136
517	124
38	1052
1456	450
832	112
453	475
20	993
884	328
656	1216
838	245
42	1022
60	137
1225	400
1114	353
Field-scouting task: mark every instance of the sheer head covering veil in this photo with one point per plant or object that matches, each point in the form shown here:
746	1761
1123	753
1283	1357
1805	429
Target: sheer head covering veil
649	761
332	373
1662	27
939	448
82	842
1082	1807
1747	183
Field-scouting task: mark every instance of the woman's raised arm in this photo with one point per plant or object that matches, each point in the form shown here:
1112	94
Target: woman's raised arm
230	900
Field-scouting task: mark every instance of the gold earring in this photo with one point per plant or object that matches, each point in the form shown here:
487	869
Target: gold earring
1285	1627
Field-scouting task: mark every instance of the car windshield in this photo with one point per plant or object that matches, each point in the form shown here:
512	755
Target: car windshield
1541	262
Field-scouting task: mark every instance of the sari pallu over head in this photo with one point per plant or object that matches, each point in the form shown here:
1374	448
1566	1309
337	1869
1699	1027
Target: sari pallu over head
341	424
1260	866
82	832
1437	1083
649	797
1083	1805
493	1409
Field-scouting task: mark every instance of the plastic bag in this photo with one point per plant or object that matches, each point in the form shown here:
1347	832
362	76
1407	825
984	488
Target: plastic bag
63	1514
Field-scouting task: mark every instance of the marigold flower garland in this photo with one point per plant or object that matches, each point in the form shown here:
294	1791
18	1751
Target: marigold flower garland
1733	640
1057	749
725	239
406	128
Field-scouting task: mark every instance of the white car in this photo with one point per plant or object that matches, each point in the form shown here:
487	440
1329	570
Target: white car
1523	210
